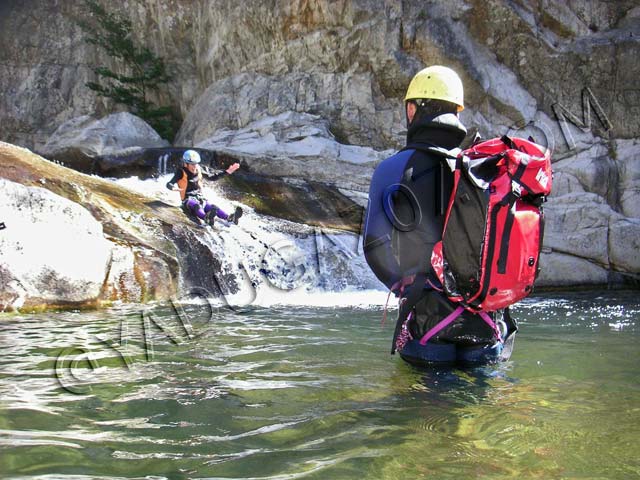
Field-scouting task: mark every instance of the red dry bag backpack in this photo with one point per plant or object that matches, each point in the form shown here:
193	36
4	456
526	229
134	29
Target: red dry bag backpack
488	256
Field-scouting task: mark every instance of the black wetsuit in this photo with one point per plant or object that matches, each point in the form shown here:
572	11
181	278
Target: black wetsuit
408	200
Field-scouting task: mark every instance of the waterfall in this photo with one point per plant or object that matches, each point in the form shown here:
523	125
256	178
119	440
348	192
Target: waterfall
163	161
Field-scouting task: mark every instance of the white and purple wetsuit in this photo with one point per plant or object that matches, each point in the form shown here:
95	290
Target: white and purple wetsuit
191	192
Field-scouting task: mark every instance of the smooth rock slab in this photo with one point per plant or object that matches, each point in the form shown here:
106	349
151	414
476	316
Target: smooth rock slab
562	270
628	156
624	245
578	224
583	225
52	251
298	145
79	140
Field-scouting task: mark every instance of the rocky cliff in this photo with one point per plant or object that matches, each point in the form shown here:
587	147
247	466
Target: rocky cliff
565	72
348	60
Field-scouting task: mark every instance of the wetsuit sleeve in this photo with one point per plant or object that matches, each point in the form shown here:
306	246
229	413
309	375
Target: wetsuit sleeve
215	176
176	176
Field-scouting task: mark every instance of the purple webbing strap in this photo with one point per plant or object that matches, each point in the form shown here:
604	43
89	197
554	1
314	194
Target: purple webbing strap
430	283
492	324
442	324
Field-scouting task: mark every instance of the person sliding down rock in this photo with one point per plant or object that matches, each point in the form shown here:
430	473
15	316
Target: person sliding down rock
188	180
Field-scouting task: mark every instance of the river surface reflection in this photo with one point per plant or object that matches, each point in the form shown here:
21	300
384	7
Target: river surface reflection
309	392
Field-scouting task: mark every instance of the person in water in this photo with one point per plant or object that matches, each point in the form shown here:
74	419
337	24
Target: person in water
188	180
408	199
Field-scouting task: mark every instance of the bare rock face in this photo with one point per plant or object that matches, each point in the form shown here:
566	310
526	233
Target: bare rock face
347	61
78	141
347	100
627	155
53	251
583	227
75	241
297	145
591	220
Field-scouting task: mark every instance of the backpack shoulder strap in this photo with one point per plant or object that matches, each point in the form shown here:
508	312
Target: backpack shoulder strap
438	151
508	142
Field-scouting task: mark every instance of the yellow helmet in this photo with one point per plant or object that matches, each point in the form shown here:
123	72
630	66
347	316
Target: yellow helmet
437	82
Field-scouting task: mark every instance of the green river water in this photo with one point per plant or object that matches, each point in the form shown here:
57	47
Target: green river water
307	392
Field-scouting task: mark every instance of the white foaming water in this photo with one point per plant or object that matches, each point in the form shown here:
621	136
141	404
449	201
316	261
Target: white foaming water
278	262
269	297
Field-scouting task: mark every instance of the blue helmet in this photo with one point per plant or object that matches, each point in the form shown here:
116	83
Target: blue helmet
191	156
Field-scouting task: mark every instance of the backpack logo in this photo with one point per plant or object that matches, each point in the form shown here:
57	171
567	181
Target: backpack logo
542	178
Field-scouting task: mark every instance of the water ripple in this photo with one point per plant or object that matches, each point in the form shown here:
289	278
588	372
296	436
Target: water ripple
288	393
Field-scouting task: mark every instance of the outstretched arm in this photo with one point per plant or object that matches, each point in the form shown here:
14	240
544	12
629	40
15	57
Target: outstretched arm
221	174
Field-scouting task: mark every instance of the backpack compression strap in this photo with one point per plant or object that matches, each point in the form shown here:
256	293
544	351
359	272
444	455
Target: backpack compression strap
441	325
496	331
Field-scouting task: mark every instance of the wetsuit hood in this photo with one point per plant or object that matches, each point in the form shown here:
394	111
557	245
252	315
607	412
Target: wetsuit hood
443	130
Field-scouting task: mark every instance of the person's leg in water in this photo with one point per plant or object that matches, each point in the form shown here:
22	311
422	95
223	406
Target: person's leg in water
193	205
212	211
